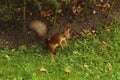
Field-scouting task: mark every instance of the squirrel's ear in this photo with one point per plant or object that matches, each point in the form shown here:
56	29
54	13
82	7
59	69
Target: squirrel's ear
68	29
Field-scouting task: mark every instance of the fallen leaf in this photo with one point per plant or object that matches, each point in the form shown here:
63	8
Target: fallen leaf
67	70
46	13
13	50
98	5
101	0
59	10
103	10
6	42
76	9
107	30
30	13
103	43
79	9
42	69
73	9
106	5
109	66
19	9
94	12
85	65
7	57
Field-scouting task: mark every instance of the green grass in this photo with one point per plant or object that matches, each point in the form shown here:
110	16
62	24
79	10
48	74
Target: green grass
86	60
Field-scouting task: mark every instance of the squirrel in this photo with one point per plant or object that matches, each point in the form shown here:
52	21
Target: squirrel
54	41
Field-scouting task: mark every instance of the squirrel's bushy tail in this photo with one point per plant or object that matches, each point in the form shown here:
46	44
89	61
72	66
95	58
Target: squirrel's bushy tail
41	29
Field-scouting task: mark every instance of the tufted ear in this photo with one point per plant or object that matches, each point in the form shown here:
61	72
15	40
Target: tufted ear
68	29
67	33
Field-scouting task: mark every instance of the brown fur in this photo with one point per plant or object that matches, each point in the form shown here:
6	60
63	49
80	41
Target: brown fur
57	39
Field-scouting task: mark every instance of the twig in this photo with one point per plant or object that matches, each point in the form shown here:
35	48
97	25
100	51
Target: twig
24	16
110	8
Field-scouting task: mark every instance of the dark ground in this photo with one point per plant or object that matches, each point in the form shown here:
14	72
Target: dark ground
10	36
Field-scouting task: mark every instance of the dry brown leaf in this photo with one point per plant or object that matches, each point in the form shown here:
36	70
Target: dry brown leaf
94	12
103	44
103	10
13	50
30	13
59	10
79	9
6	42
67	70
106	5
19	9
42	69
98	5
101	0
109	66
76	9
107	30
7	57
46	13
73	9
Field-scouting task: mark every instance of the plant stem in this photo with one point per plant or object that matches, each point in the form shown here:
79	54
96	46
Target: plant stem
55	18
37	3
24	16
110	8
